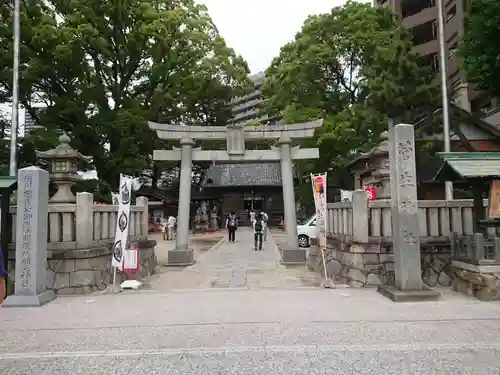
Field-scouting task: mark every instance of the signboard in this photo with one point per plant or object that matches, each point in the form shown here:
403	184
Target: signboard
346	196
131	260
319	192
494	201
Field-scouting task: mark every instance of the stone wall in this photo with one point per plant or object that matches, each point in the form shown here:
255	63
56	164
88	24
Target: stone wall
88	270
370	265
481	282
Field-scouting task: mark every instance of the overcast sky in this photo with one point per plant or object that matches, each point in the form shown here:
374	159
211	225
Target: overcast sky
257	29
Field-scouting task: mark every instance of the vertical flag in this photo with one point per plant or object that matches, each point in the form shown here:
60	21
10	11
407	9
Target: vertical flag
122	222
115	199
319	191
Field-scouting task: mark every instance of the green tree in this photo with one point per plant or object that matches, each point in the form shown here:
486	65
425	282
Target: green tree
353	67
102	69
480	49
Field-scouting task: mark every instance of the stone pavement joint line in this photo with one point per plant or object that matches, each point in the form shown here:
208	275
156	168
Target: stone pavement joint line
240	349
237	265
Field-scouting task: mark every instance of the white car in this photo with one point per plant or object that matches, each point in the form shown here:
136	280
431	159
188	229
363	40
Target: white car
307	231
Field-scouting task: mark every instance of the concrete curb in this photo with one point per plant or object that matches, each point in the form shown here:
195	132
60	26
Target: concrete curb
211	250
217	245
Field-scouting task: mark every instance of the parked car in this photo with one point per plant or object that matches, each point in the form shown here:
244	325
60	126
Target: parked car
307	231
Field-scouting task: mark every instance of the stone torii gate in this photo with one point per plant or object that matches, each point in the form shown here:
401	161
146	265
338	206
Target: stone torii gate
235	136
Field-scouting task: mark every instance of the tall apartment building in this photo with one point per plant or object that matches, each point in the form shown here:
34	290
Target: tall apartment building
420	17
29	122
248	108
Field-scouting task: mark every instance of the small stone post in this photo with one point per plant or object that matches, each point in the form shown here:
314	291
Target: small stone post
31	240
84	217
405	224
360	216
143	202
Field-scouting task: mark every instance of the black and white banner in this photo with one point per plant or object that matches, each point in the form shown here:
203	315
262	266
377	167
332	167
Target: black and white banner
122	222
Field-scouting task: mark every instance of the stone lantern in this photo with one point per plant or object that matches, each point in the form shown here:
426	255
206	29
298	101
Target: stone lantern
63	166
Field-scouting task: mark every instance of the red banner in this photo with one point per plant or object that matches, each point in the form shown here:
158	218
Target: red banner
372	193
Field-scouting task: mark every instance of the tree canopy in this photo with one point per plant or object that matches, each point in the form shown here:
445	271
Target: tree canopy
101	69
354	67
480	47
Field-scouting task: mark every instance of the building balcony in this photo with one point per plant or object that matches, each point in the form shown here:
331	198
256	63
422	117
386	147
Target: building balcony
410	8
245	105
242	99
428	48
245	115
426	15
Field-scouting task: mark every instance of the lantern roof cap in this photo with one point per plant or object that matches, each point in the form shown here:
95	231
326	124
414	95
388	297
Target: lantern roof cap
63	151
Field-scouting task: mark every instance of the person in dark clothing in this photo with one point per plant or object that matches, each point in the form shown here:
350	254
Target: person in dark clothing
3	278
232	226
258	232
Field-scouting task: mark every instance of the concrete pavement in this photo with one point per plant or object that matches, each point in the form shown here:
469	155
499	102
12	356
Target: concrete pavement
263	330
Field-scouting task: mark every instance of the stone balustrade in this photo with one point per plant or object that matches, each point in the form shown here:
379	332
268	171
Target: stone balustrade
360	240
476	265
79	240
84	224
437	219
360	246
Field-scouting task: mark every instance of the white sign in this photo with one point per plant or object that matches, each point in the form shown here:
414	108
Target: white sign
346	195
131	259
319	192
122	222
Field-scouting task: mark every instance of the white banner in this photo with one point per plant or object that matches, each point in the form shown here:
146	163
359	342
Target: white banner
115	199
122	222
318	183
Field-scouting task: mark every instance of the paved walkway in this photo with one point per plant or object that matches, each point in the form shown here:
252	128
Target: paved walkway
247	314
236	265
236	332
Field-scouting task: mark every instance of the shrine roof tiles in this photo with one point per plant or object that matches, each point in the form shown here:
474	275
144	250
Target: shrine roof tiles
258	174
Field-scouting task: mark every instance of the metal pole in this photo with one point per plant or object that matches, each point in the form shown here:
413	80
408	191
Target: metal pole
444	90
15	92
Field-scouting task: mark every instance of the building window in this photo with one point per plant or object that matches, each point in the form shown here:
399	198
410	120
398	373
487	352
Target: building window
450	13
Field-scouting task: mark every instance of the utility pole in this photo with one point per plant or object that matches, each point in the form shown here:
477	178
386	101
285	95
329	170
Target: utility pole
444	90
15	92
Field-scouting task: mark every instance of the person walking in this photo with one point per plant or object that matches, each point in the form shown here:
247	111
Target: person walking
258	231
171	227
265	219
232	226
163	228
252	217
